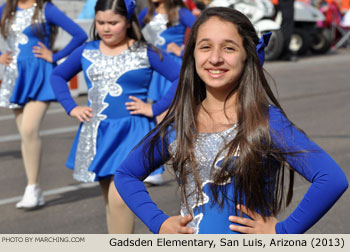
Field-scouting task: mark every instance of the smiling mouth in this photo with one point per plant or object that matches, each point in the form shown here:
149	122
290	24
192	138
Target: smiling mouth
216	71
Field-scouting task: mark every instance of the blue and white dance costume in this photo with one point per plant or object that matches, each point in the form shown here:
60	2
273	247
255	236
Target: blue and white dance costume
157	33
104	142
327	178
27	77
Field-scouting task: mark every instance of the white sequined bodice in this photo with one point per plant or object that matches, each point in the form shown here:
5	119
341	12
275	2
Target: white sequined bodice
206	147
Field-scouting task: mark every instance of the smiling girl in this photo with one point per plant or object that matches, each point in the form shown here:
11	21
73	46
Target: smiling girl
118	65
229	143
29	28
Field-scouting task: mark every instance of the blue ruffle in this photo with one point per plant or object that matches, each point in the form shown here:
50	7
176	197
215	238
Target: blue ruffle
115	139
33	81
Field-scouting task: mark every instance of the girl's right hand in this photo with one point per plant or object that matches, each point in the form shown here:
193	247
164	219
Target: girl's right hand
82	113
175	49
6	58
176	225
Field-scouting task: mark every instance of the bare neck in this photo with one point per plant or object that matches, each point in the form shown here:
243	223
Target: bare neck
161	8
25	4
215	115
112	50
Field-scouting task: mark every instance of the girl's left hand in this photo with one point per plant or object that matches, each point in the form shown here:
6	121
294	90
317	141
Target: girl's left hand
256	225
137	106
42	52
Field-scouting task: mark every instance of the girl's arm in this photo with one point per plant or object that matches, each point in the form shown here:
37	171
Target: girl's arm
128	181
328	180
186	17
55	16
170	69
62	74
141	16
2	9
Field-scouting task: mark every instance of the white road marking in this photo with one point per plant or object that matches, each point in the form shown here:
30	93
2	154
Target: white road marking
16	137
49	112
51	192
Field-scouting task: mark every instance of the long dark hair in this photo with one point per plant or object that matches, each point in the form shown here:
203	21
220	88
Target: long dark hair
118	7
170	8
259	170
37	21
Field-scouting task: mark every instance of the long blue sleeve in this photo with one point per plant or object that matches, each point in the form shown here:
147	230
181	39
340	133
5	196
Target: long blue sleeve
62	74
328	180
1	11
55	16
128	181
141	16
186	17
170	69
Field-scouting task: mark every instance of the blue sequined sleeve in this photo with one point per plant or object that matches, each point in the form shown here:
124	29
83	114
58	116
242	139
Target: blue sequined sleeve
328	182
62	74
55	16
170	69
327	178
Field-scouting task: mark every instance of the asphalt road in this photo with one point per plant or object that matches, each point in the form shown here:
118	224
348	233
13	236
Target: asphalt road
314	92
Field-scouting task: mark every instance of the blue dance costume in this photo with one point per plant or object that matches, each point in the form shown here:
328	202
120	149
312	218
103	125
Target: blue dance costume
104	142
157	33
327	178
27	77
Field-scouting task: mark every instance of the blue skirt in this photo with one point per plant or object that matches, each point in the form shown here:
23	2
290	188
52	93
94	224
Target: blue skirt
115	139
32	82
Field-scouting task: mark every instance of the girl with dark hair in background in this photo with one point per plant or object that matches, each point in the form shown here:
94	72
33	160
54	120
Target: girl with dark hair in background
118	66
229	142
164	24
29	28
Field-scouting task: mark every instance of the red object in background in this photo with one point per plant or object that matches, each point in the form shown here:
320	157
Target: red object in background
187	34
332	15
190	5
73	84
